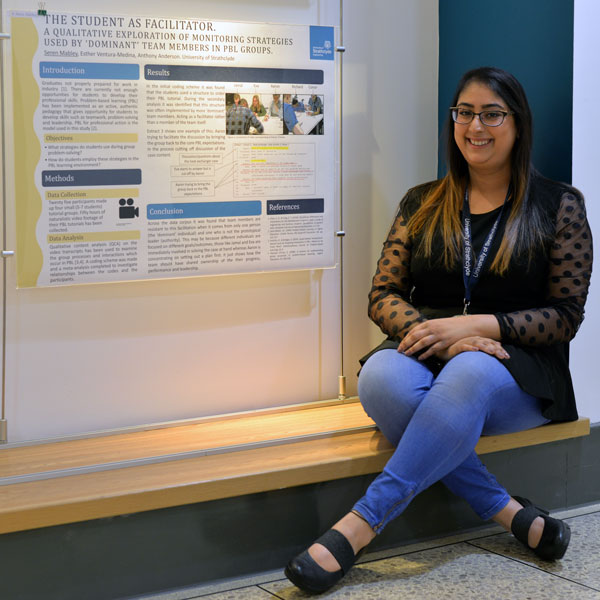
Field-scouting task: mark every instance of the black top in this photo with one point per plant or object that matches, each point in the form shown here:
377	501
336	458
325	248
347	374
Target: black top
538	303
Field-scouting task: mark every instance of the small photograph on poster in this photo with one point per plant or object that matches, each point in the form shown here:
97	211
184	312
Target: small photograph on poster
275	106
309	112
245	114
302	114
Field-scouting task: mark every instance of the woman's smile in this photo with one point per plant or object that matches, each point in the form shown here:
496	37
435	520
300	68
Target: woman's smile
476	142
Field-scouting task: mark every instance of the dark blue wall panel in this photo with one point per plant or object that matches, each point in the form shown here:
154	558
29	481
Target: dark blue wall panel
533	39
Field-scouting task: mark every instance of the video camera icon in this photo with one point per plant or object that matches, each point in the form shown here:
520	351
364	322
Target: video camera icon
127	210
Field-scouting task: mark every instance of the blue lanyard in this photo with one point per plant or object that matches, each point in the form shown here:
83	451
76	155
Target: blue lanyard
471	273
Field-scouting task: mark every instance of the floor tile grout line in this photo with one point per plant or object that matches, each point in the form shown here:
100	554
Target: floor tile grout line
211	592
533	566
235	589
422	547
592	512
562	511
182	597
270	592
445	545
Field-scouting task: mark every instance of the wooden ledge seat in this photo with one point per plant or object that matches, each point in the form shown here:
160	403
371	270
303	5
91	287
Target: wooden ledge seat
69	481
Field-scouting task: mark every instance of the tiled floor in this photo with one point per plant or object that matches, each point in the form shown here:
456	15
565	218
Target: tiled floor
485	566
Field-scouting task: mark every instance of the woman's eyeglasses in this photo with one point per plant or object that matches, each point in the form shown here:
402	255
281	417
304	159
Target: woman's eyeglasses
490	118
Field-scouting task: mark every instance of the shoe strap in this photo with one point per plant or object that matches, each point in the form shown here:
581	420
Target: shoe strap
552	528
522	522
339	547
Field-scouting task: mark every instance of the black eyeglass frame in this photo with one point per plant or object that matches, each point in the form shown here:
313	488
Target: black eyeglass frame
505	113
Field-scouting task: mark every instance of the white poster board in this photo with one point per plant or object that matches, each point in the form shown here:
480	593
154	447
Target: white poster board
159	147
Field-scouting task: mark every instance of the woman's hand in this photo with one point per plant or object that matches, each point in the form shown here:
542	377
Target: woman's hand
437	335
474	343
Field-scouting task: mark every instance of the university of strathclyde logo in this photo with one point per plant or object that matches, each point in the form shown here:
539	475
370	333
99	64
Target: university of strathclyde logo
321	42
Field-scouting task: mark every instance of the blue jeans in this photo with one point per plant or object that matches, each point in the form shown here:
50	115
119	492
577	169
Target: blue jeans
435	423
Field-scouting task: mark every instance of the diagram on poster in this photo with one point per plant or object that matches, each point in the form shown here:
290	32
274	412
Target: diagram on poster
153	148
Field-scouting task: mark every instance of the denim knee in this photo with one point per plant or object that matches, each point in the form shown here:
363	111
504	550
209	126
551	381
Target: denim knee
480	382
391	386
471	368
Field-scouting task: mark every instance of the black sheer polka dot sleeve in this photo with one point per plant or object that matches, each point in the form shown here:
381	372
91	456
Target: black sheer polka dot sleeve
568	283
389	298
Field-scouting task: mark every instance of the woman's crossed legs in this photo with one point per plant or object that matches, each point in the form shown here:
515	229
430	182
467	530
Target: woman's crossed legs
435	423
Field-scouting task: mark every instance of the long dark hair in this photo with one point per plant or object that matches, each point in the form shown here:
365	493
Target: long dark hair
526	227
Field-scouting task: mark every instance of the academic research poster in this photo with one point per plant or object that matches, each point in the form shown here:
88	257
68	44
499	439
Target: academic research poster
158	147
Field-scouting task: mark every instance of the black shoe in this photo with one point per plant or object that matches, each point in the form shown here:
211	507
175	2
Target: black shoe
555	537
304	572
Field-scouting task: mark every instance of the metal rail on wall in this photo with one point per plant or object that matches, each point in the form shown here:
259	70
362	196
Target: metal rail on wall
5	253
340	49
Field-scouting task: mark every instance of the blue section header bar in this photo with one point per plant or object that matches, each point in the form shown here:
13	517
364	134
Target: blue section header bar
203	210
91	177
295	207
232	74
80	70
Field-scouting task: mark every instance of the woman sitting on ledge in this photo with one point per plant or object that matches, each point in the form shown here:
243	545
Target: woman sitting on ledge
480	287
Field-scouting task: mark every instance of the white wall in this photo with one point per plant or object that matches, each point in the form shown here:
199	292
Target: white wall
390	136
585	357
98	357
